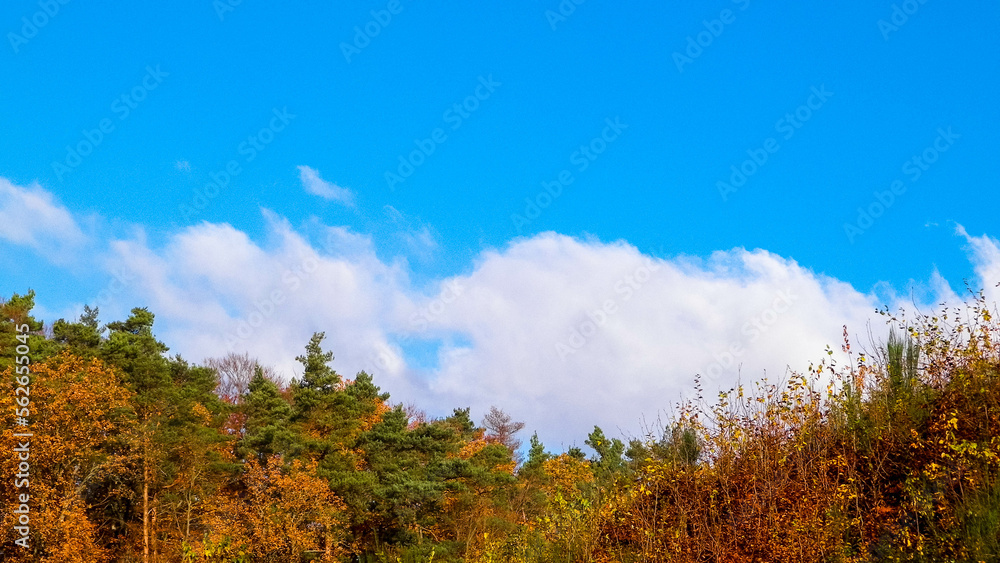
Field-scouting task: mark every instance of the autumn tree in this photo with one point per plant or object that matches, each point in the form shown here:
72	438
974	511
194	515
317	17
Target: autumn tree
276	512
79	413
175	438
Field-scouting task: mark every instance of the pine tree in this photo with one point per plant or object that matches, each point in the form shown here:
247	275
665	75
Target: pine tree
19	327
267	417
83	336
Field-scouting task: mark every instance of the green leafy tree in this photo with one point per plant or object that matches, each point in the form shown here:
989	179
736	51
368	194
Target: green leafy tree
176	443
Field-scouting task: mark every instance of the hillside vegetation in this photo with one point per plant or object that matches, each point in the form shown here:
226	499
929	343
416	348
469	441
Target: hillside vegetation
139	456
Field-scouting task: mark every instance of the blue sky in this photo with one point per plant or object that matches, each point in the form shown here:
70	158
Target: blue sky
206	84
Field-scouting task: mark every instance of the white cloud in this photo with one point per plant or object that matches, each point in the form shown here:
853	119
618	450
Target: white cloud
31	216
214	290
663	321
502	325
563	333
985	254
326	190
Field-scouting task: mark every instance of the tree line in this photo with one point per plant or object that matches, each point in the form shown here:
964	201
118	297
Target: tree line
138	455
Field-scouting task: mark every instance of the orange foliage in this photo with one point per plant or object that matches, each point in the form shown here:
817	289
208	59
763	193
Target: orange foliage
76	412
773	487
367	422
276	512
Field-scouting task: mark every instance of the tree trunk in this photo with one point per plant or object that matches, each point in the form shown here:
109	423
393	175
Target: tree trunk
187	521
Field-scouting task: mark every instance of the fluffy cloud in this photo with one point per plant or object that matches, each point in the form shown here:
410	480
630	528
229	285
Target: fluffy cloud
561	332
567	333
985	254
214	290
326	190
31	216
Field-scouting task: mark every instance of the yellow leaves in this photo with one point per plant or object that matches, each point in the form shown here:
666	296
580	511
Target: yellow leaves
472	448
202	413
566	474
283	512
570	516
368	422
76	411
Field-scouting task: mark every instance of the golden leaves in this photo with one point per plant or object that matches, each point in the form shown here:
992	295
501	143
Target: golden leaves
78	410
276	510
